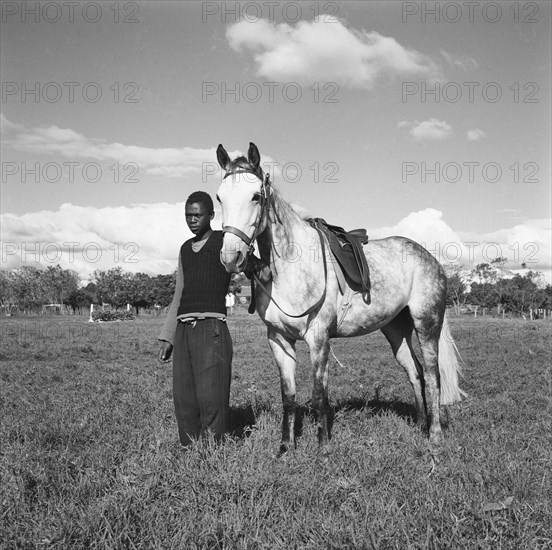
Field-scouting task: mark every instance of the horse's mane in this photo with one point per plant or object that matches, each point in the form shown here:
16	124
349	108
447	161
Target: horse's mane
282	213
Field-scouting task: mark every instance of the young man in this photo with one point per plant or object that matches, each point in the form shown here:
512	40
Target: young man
196	327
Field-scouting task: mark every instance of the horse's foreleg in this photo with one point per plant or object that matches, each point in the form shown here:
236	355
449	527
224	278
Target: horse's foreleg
284	353
319	345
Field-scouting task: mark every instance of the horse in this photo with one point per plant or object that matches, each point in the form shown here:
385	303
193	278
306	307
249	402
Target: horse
301	298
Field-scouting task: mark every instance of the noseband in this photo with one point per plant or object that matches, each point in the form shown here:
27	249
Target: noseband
266	191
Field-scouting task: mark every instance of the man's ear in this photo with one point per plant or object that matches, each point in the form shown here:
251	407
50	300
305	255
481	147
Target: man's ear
212	215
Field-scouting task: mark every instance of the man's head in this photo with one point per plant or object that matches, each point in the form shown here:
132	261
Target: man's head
199	213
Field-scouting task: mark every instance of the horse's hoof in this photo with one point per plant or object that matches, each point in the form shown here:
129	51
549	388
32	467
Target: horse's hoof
324	452
283	452
435	441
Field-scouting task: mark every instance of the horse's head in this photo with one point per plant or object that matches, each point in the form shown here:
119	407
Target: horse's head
243	196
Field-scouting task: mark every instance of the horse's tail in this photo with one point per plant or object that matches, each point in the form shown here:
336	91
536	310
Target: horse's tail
449	367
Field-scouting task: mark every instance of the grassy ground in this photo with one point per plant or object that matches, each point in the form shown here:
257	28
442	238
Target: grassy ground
89	457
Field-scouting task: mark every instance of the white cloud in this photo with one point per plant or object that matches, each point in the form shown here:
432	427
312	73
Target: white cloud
430	130
168	162
6	126
475	135
462	62
147	238
426	227
138	238
327	51
529	243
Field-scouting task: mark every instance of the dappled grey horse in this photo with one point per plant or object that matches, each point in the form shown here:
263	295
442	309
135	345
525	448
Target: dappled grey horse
302	298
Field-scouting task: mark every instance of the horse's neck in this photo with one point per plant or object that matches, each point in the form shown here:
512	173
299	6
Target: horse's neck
287	239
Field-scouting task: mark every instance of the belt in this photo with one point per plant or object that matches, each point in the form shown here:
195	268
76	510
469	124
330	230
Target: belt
193	320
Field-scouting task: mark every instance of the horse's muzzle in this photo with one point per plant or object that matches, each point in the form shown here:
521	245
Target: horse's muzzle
233	262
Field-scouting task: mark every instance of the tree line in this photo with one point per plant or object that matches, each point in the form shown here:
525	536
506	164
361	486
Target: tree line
28	289
489	287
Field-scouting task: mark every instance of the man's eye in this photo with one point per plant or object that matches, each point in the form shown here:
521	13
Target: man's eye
218	198
256	197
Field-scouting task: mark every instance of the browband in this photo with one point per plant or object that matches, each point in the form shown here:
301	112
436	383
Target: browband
243	172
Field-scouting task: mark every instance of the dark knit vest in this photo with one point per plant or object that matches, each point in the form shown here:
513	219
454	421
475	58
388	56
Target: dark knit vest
205	279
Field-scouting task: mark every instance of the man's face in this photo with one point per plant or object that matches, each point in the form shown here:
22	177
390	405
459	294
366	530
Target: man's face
198	218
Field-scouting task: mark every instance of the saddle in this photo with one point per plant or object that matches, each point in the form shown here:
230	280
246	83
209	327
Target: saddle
346	246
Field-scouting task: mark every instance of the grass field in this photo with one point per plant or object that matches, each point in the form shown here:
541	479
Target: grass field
89	455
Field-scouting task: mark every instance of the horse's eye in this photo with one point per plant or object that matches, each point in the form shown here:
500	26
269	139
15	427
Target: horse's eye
256	197
218	198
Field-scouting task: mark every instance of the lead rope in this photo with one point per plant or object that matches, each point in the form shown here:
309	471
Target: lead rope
338	361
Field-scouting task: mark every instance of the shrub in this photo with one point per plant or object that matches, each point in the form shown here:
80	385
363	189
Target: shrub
109	315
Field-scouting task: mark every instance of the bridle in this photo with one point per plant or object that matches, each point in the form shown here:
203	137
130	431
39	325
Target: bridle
266	192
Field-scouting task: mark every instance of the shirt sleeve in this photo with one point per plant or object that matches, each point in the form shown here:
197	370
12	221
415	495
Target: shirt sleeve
169	328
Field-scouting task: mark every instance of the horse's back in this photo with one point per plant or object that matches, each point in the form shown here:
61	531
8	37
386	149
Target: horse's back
402	273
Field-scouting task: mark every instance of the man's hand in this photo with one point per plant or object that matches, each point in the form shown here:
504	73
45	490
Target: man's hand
257	266
165	352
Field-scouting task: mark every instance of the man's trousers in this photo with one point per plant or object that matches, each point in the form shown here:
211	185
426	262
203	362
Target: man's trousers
202	369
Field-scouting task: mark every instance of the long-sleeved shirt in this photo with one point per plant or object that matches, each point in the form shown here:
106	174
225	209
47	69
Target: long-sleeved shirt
169	327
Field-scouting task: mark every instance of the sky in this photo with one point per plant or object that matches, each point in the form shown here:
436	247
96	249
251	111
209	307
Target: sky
430	120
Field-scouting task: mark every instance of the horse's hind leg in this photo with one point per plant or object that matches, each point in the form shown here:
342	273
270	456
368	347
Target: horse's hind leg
284	354
428	329
399	334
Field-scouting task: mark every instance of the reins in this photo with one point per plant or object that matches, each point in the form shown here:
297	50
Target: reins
266	192
311	308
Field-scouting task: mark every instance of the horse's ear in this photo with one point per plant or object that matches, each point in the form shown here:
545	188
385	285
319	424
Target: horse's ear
253	155
222	157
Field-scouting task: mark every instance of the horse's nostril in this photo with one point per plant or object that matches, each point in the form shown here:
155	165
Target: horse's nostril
239	258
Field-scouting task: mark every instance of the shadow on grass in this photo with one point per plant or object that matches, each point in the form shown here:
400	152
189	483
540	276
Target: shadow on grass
377	406
244	417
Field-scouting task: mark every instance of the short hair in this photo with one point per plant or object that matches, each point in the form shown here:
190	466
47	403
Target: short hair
202	197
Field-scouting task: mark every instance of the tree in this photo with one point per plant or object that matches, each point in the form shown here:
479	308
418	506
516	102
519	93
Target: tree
58	284
547	297
26	288
483	294
163	289
8	300
113	286
456	287
485	273
141	291
80	298
523	292
499	263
